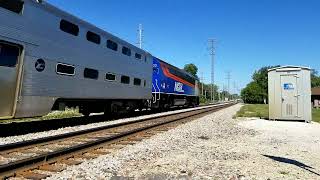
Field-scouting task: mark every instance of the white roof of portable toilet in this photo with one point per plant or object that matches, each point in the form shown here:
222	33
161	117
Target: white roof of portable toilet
289	68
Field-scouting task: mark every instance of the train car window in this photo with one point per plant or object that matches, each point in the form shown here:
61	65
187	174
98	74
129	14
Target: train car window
110	77
69	27
137	82
9	55
15	6
125	79
112	45
144	83
90	73
65	69
145	59
93	37
126	51
138	56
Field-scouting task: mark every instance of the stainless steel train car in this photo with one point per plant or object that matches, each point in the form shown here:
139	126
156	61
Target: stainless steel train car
50	59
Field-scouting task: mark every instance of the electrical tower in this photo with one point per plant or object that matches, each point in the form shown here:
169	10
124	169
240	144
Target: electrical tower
140	36
212	53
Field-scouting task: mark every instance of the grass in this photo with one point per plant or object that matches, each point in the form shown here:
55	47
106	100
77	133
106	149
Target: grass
53	115
254	110
262	111
316	115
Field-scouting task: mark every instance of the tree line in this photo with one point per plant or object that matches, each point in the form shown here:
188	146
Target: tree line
205	89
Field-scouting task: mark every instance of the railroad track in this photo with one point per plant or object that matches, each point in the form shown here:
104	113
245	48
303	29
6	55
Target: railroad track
37	159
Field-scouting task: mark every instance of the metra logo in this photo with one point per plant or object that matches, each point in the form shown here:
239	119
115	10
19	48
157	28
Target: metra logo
288	86
178	87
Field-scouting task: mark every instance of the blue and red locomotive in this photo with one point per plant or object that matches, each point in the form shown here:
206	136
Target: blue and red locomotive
172	86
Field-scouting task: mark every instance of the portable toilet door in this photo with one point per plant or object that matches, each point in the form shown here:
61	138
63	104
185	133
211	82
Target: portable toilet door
289	96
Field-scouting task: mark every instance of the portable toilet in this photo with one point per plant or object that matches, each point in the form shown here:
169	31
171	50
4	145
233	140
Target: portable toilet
289	89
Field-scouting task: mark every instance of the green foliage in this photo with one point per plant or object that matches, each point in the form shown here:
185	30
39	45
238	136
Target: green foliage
253	93
315	79
207	92
191	68
257	90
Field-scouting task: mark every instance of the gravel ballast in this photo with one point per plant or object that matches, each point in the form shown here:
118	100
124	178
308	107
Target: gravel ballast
213	147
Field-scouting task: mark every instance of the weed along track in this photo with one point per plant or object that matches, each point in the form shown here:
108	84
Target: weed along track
53	154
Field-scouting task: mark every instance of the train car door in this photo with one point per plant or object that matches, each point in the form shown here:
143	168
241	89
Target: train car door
9	70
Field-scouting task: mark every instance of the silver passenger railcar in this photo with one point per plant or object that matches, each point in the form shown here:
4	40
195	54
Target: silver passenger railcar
50	59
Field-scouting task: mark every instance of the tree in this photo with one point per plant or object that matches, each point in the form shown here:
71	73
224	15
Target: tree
315	79
191	68
253	93
257	90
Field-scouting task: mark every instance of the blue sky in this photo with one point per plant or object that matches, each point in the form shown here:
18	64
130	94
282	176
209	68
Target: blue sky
249	33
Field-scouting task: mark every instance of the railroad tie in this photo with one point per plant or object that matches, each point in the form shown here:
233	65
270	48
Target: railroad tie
52	167
32	175
70	162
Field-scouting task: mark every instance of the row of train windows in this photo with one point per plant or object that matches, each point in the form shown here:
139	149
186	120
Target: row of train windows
73	29
70	28
65	69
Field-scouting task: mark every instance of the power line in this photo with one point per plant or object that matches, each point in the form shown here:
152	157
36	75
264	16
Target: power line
212	49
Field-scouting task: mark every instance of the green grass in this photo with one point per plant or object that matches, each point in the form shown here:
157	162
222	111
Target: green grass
316	115
53	115
262	111
254	110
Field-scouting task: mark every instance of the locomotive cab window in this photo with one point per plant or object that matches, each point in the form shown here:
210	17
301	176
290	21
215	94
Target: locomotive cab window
90	73
65	69
69	27
15	6
112	45
125	79
110	77
137	82
9	55
126	51
93	37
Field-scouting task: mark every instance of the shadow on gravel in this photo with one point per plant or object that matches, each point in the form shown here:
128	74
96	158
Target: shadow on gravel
292	162
21	128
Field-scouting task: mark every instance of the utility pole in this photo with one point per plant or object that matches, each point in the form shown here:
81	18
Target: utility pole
212	53
140	36
202	81
228	78
235	87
